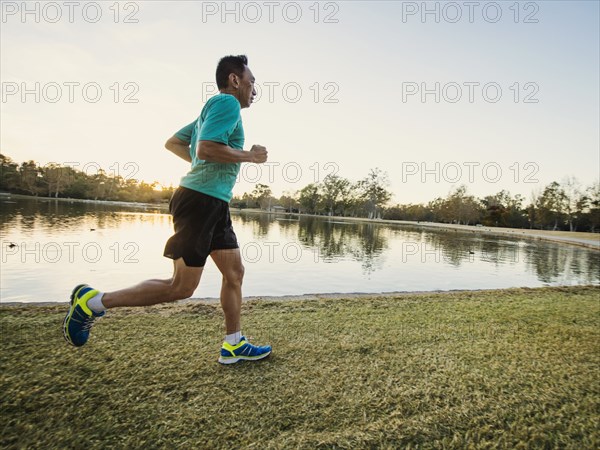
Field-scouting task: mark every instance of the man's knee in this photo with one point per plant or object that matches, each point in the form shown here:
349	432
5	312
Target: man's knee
235	276
180	292
184	282
183	288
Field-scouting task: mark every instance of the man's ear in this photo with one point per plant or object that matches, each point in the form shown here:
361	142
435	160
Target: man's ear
233	80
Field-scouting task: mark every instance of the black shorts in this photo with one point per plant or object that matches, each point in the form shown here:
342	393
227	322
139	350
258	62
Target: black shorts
202	224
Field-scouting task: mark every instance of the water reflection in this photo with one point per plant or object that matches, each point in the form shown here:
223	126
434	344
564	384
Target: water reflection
33	214
554	264
368	243
260	223
350	256
332	240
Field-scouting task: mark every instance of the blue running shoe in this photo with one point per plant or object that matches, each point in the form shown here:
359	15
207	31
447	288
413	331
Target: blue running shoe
243	351
79	319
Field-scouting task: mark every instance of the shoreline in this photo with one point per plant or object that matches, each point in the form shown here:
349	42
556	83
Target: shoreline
320	296
578	238
8	195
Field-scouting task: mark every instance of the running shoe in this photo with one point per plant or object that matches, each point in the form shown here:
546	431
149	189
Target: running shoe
79	319
243	351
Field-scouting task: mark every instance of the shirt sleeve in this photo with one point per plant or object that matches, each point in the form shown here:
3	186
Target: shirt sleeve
185	134
221	120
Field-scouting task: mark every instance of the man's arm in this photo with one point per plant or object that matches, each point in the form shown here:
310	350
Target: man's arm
179	147
216	152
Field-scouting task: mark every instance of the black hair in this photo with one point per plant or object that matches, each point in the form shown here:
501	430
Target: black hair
230	64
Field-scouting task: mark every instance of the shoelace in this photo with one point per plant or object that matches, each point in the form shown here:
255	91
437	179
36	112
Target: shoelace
88	323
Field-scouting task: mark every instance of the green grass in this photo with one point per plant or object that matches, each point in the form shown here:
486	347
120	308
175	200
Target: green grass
494	369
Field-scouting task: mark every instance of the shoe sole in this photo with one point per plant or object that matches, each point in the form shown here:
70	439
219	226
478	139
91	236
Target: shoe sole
71	308
233	360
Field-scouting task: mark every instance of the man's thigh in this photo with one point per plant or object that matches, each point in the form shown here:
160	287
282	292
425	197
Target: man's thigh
228	261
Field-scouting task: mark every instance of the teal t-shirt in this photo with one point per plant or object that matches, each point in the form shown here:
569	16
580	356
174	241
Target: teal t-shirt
220	121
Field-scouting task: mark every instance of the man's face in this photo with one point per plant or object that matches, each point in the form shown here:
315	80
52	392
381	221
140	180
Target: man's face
245	89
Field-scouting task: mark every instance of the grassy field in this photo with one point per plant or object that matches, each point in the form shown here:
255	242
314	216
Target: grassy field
491	369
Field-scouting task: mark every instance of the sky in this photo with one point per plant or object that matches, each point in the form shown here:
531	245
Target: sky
490	95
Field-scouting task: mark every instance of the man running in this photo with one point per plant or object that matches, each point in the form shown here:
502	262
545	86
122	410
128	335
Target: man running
213	144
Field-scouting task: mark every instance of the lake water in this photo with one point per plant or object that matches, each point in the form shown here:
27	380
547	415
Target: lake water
49	246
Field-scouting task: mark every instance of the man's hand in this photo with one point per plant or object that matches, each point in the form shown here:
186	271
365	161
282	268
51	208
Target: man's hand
259	154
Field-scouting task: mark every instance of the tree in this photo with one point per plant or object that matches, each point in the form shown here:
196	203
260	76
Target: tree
289	201
57	178
30	175
593	202
309	198
575	201
248	200
503	210
551	205
127	190
262	195
496	210
9	174
335	193
99	185
517	215
373	190
78	187
460	207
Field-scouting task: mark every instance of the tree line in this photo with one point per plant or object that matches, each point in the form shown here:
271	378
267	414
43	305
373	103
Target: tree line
564	206
54	180
335	195
559	206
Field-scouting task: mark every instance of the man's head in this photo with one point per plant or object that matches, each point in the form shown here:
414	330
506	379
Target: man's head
235	78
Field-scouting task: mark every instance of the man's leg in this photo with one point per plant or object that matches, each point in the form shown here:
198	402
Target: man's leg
229	263
87	304
181	285
236	347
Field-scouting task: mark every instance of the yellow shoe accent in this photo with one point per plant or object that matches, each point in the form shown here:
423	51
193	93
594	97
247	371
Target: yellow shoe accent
83	300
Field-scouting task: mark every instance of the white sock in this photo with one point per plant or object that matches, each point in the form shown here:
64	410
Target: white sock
234	338
95	303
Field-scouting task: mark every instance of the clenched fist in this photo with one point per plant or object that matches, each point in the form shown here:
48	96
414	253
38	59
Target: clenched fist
259	154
